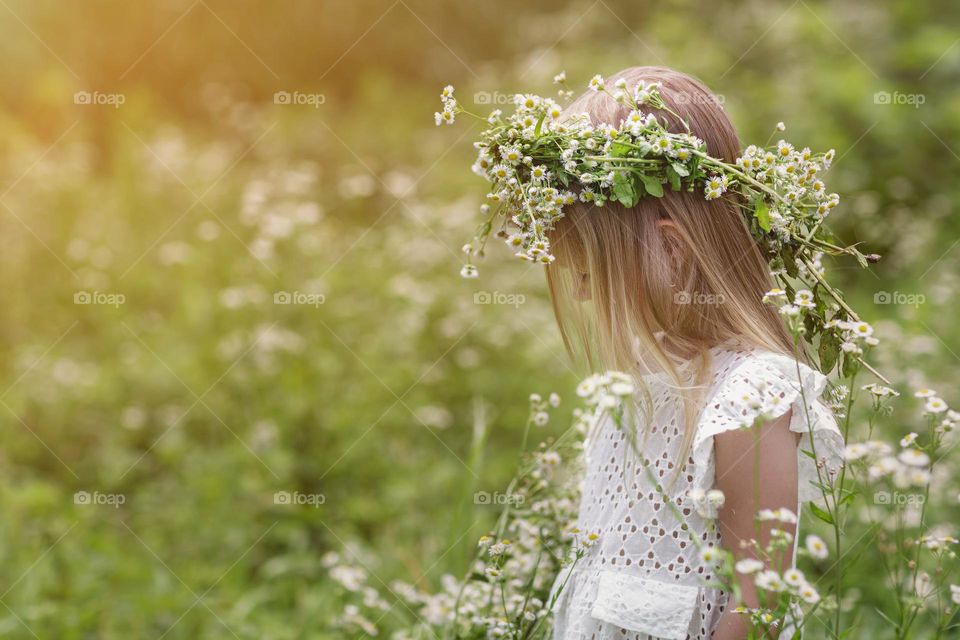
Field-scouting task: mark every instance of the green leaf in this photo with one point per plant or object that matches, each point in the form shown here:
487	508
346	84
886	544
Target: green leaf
850	365
820	513
536	130
790	264
762	214
623	191
829	351
619	150
652	185
681	170
673	177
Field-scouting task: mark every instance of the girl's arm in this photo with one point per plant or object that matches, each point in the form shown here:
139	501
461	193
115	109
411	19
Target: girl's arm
756	469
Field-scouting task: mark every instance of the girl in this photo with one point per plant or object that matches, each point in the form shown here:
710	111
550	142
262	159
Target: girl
672	291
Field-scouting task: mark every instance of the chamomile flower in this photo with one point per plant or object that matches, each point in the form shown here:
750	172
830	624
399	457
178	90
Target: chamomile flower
793	577
769	581
924	393
804	299
935	405
861	329
597	83
914	458
816	547
560	78
469	271
808	594
908	439
748	566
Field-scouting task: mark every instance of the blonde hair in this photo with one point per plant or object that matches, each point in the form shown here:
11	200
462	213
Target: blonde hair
642	289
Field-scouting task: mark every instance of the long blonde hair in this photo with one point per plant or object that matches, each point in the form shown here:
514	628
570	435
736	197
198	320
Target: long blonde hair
642	289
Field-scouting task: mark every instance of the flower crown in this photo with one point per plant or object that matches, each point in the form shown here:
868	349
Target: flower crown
539	160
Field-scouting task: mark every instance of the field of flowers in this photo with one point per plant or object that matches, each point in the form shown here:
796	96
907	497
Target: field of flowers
238	354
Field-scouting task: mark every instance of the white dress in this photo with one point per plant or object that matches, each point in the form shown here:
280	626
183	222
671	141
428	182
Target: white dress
643	578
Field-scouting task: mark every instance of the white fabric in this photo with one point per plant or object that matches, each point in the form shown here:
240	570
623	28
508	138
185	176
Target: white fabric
643	578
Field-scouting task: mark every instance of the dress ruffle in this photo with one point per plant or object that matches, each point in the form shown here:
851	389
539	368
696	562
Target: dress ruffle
766	386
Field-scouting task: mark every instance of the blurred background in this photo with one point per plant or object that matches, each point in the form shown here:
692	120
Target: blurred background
234	334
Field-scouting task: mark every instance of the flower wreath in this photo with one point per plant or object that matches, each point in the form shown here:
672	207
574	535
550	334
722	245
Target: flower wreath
533	156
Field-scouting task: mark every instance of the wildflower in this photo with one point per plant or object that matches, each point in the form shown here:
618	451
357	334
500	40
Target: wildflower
715	498
908	439
781	126
879	390
469	271
710	556
597	83
560	78
914	458
955	593
804	298
925	393
748	566
541	418
817	547
935	405
808	594
861	329
769	581
793	577
554	400
774	294
781	515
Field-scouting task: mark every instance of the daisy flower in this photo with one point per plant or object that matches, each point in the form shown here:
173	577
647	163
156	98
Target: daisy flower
935	405
817	547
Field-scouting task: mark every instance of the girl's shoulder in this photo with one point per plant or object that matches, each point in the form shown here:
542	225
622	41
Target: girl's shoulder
751	386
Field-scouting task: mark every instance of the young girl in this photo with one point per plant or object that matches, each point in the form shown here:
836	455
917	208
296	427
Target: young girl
672	291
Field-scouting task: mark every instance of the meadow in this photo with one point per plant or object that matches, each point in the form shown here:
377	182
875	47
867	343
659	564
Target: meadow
234	334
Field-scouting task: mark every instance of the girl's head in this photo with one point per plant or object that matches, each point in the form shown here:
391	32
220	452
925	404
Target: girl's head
638	289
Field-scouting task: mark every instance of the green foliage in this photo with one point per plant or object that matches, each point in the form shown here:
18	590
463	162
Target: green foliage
197	398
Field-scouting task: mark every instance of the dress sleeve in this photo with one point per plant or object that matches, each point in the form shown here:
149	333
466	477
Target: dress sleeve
767	385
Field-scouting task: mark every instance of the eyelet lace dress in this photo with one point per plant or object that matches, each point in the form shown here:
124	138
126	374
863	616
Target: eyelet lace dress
643	578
